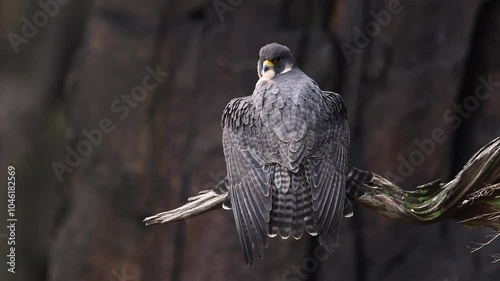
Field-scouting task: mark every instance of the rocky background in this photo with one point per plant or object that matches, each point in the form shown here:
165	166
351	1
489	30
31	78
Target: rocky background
98	145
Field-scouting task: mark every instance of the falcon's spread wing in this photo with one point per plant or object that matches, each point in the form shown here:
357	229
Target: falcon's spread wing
286	152
249	181
328	170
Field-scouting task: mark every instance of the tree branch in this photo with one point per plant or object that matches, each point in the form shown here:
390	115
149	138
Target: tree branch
472	197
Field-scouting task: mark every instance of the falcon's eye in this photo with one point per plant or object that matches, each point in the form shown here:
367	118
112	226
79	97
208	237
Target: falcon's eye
276	60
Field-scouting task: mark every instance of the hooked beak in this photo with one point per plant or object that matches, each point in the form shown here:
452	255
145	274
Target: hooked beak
266	65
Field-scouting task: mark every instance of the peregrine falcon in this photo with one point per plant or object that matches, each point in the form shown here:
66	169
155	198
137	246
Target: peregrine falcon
285	148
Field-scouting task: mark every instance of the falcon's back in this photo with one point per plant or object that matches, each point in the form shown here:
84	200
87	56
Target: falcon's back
286	149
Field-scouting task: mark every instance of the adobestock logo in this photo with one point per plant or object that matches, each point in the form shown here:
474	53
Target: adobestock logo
121	107
363	37
307	267
455	117
222	7
123	275
30	28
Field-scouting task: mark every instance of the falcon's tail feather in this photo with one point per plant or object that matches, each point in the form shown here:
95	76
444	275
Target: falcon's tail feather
348	211
283	204
287	212
303	208
292	210
274	223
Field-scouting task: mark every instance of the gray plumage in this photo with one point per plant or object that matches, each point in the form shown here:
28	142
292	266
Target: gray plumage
286	152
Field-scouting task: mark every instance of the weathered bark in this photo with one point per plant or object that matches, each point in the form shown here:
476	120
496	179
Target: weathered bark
472	197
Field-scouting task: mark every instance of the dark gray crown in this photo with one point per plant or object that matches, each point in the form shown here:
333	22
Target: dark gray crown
274	50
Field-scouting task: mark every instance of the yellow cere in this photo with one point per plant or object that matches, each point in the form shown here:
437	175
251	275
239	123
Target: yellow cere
268	63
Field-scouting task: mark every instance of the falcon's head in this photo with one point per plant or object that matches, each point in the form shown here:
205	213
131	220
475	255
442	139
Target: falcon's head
275	59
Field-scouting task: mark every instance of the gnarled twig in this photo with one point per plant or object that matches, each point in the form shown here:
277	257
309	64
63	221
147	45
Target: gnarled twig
472	197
